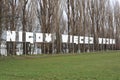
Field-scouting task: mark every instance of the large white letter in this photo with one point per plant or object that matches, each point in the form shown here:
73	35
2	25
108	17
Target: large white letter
39	37
20	36
48	37
104	40
114	42
91	40
86	40
81	41
29	37
64	38
100	40
76	39
110	41
107	41
11	35
71	37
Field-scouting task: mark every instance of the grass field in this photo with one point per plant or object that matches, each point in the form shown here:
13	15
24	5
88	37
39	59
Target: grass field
85	66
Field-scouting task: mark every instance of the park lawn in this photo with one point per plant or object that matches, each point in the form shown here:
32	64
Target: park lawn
84	66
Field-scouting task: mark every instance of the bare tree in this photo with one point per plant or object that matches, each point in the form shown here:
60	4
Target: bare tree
92	18
23	7
117	23
1	1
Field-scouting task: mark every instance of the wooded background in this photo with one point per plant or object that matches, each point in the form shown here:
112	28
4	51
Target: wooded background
92	18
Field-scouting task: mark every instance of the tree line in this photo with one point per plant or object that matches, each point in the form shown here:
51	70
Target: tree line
92	18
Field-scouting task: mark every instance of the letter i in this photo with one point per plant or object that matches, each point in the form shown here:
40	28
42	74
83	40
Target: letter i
20	36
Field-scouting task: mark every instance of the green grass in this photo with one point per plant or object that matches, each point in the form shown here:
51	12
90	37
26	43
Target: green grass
85	66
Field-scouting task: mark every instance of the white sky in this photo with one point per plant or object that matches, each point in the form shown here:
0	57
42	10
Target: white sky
118	1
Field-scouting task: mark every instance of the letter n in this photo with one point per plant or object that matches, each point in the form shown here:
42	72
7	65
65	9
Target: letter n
11	35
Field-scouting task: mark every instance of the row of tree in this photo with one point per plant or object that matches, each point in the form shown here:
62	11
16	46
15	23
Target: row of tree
93	18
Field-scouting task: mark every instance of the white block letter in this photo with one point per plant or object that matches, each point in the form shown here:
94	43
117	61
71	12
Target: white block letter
39	37
76	39
81	41
11	35
107	41
20	36
48	37
29	37
64	38
100	40
104	40
91	40
114	42
71	37
86	40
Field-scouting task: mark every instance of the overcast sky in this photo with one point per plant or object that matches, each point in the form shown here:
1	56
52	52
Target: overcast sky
118	1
